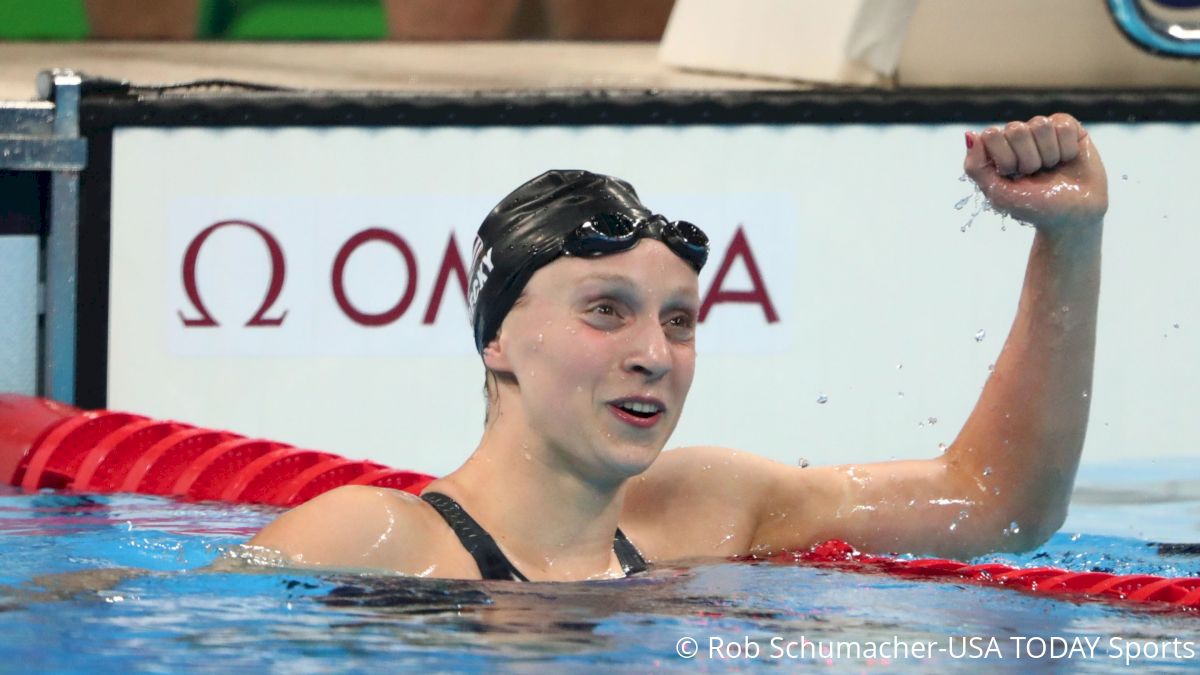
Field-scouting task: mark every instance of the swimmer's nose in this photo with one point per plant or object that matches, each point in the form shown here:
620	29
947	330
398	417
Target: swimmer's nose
650	353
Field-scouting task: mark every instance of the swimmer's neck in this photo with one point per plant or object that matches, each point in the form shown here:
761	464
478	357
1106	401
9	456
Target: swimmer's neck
553	524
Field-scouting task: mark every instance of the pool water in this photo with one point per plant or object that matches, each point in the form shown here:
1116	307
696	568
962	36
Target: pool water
173	616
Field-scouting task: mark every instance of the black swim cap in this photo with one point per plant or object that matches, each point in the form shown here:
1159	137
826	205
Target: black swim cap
527	230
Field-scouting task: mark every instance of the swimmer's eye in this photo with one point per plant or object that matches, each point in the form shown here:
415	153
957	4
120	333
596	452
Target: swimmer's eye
681	327
604	315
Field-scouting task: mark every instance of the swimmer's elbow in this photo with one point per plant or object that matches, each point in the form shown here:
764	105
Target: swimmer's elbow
1018	530
1015	517
1041	527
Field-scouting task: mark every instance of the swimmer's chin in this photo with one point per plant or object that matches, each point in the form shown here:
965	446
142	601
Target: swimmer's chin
633	465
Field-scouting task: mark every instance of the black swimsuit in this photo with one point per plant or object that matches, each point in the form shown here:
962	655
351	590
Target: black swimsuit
492	562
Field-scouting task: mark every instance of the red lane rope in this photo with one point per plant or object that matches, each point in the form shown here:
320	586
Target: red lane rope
1180	592
104	451
47	445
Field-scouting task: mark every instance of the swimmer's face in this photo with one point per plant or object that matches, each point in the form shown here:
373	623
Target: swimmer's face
603	351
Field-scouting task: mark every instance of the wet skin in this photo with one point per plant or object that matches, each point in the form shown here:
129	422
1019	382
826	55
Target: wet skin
560	466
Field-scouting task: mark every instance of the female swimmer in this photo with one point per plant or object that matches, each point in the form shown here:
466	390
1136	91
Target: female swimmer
584	306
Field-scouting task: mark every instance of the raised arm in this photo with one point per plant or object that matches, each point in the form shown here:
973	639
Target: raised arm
1005	481
1024	437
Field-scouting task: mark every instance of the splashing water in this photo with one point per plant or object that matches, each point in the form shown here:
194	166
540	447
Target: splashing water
978	203
980	334
822	399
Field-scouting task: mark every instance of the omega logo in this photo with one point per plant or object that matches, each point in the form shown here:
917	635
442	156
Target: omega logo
278	269
451	265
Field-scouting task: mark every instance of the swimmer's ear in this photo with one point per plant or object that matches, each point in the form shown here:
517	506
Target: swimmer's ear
495	355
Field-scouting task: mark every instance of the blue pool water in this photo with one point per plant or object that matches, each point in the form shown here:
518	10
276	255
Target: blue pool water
92	615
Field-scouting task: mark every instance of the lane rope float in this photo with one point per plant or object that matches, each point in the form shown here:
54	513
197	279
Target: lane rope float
47	445
44	444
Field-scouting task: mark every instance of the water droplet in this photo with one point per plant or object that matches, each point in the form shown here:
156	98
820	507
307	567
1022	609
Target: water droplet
962	178
980	334
932	421
963	515
822	398
900	366
991	367
1014	527
803	463
1174	325
941	447
958	206
1124	176
1066	308
1075	537
964	227
900	394
528	456
1085	394
953	526
987	470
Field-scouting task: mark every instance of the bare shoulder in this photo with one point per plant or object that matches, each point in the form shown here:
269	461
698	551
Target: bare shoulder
706	473
699	501
361	527
706	501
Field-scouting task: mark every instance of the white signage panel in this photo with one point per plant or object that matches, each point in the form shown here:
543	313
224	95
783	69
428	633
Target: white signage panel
307	285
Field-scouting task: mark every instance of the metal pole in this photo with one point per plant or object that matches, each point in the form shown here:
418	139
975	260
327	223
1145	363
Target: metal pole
62	245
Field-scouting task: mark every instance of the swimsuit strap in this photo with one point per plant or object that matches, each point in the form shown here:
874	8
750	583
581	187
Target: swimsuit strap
630	558
492	562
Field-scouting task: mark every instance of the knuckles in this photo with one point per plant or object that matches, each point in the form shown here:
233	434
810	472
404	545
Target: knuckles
1063	119
1008	145
1040	125
1015	129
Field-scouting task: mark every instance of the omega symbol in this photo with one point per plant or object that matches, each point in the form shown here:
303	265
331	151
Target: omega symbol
278	271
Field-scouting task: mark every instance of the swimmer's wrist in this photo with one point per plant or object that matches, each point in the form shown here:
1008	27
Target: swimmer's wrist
1074	228
1078	242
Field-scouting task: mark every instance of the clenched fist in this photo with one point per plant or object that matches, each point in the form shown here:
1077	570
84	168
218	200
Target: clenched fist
1044	172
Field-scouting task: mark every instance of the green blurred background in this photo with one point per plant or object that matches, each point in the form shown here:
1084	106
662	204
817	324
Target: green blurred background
219	19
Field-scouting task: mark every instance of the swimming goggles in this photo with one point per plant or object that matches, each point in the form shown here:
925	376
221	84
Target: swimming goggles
613	232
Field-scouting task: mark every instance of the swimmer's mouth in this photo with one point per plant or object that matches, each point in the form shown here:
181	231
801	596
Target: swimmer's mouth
639	412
